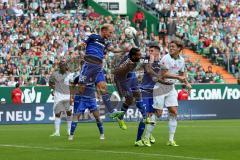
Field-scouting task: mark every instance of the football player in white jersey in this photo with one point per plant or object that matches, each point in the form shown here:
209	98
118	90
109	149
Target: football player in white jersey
172	70
59	82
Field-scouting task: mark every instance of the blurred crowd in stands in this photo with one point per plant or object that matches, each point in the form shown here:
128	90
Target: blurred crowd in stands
36	34
209	27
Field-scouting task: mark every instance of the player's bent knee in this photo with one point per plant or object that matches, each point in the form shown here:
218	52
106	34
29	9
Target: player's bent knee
128	101
173	114
172	111
57	115
102	87
149	114
98	119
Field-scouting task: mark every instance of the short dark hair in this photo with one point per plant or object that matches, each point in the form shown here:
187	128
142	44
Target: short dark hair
155	47
133	52
17	85
184	86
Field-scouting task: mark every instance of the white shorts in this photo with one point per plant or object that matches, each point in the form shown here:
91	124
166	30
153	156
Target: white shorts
168	99
61	106
61	103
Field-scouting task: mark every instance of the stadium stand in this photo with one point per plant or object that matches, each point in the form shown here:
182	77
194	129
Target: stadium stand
35	35
210	28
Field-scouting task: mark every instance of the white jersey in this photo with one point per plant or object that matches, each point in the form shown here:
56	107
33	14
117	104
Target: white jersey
166	95
61	90
174	66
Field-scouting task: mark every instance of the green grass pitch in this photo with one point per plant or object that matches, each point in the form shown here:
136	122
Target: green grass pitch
198	140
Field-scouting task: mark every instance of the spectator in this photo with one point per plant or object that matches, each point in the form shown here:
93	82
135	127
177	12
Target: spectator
208	78
42	80
171	29
162	30
200	23
11	82
183	94
36	40
138	18
17	95
70	5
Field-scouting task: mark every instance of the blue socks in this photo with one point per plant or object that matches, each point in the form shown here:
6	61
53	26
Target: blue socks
141	128
73	127
100	127
142	109
124	108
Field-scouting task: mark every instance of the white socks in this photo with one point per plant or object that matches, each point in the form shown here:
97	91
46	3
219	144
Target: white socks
69	122
149	130
57	123
150	127
172	124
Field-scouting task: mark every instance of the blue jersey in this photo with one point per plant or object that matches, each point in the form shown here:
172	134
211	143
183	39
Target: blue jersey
147	81
96	46
147	87
125	69
125	77
76	102
100	77
89	91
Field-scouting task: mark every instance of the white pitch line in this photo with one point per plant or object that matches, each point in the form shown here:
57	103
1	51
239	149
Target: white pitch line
101	151
191	126
133	126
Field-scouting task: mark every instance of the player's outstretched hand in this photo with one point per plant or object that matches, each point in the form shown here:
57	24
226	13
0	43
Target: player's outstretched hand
182	79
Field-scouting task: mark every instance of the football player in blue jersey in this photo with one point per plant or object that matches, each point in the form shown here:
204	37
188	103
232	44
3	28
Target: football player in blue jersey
150	77
83	101
127	86
92	72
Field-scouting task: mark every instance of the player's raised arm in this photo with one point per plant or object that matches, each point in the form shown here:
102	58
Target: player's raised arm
165	71
117	50
167	74
149	70
188	85
81	45
84	42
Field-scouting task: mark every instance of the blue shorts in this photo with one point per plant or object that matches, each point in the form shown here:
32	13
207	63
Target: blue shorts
100	77
87	103
147	101
128	86
76	103
89	73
